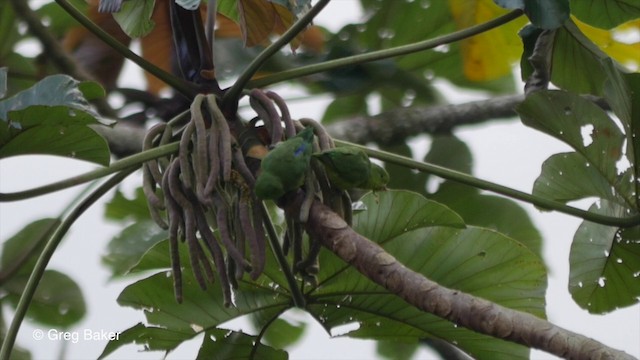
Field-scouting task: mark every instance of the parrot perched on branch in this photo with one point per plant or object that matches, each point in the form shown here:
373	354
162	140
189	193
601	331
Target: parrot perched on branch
284	168
349	167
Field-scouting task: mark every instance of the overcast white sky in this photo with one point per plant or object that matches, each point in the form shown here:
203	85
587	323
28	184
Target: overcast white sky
504	152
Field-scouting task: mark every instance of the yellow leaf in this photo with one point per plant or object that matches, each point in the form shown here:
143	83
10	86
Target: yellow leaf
487	56
626	53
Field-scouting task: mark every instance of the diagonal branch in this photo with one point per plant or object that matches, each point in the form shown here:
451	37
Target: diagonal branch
382	128
460	308
397	125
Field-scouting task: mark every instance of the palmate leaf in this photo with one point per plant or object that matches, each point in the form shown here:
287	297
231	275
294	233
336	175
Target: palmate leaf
423	234
51	118
603	263
589	130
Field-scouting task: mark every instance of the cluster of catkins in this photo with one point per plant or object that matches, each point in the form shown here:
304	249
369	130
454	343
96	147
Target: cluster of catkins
207	196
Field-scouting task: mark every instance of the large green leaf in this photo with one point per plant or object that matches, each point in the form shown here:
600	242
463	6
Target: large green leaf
51	91
605	13
51	118
135	17
589	130
475	260
52	130
605	263
604	260
58	300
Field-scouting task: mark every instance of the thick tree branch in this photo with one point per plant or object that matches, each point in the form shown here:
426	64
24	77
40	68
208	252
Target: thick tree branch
398	124
460	308
390	126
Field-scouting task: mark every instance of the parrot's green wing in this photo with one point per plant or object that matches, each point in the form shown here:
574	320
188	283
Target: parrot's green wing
347	167
284	167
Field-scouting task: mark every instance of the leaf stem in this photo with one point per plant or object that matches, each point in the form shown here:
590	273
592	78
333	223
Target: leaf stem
133	160
45	256
176	83
466	179
386	53
296	293
234	92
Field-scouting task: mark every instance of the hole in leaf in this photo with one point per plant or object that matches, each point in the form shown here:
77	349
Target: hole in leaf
586	131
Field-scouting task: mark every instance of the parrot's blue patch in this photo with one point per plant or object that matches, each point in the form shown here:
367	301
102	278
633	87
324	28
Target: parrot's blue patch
300	150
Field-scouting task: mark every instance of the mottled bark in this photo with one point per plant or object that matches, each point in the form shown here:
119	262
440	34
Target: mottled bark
460	308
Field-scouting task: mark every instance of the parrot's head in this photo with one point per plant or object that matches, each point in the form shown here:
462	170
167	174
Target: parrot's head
379	178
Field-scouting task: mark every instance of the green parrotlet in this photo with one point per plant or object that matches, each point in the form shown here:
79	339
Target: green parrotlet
349	167
285	166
